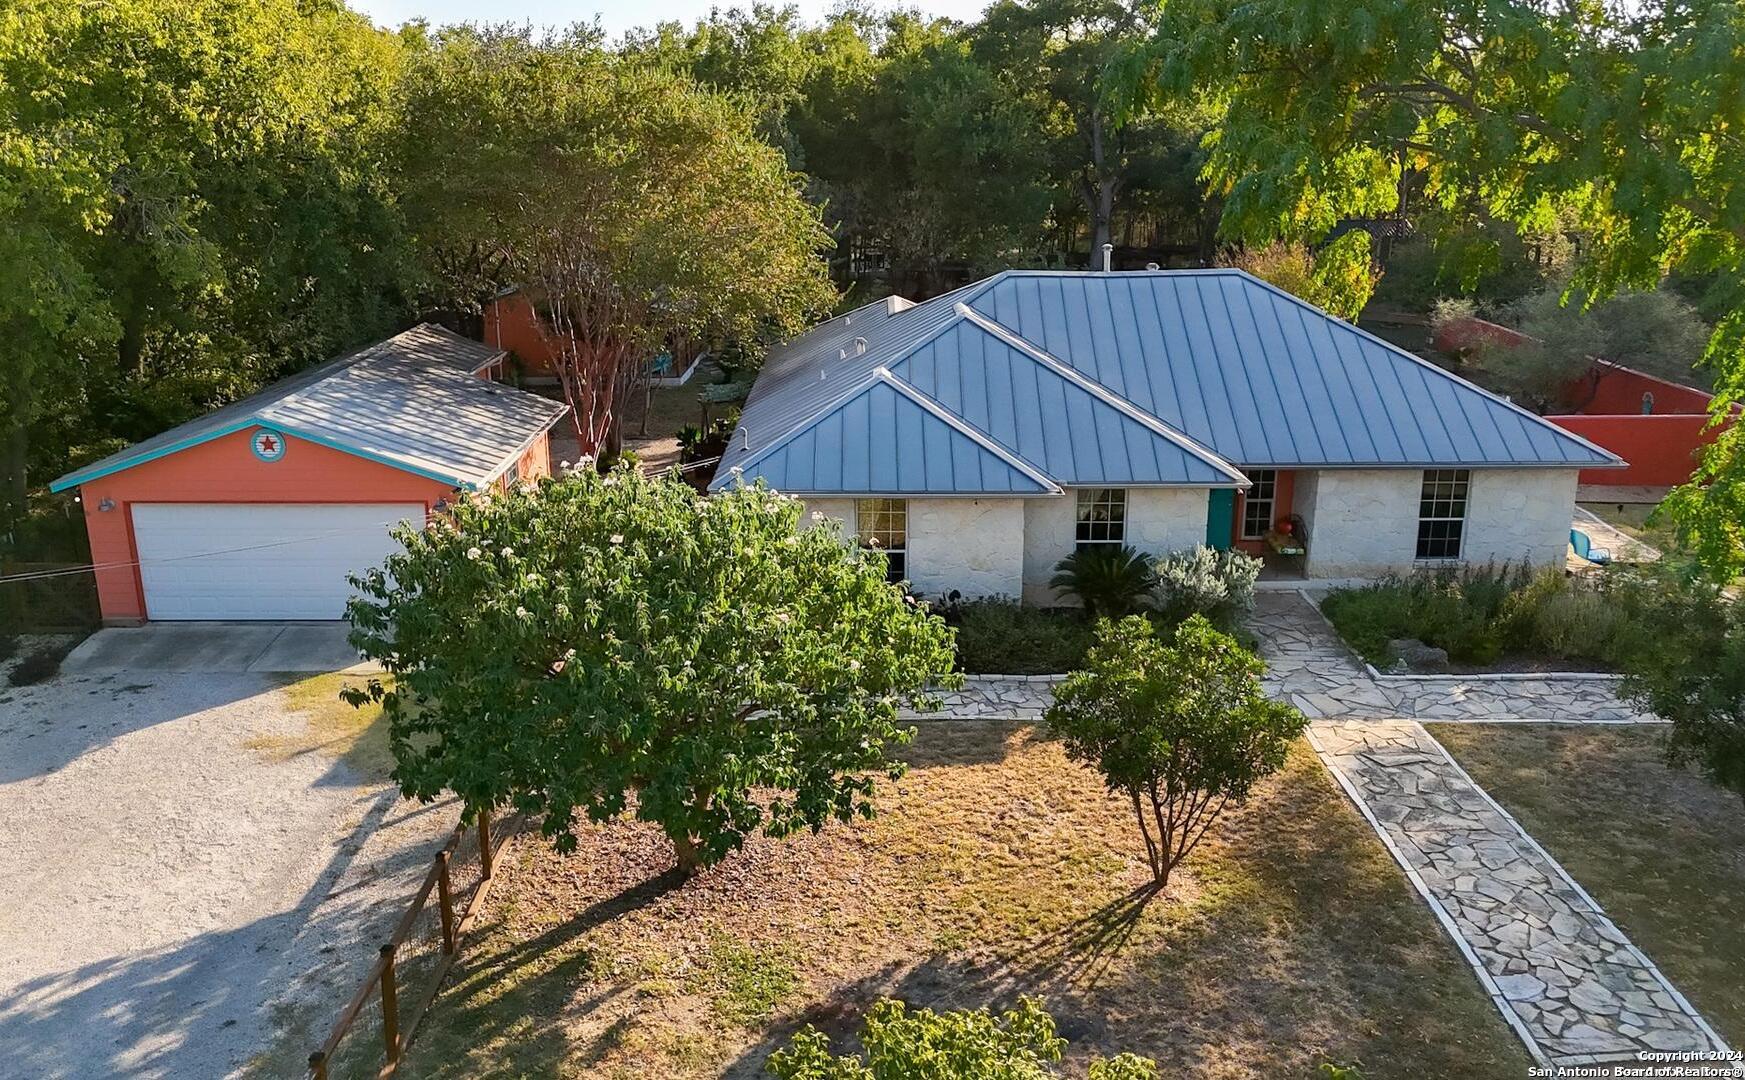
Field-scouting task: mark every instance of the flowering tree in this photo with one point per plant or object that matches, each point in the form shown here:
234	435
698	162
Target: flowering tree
579	648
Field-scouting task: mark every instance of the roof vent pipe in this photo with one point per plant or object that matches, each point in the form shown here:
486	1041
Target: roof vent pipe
860	346
1108	257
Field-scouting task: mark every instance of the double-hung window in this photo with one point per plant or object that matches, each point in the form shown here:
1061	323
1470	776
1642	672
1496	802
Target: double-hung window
1258	504
884	524
1442	513
1102	516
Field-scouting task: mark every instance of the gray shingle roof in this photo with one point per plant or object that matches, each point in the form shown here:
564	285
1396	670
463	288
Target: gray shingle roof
413	401
1157	377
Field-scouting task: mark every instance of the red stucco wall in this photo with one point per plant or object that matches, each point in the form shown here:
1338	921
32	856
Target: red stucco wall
227	470
1618	392
1661	449
510	323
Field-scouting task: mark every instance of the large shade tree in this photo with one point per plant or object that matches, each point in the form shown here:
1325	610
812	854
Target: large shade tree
636	208
602	643
188	204
1620	122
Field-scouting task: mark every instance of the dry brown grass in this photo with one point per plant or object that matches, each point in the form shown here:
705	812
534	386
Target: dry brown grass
995	868
358	737
1661	849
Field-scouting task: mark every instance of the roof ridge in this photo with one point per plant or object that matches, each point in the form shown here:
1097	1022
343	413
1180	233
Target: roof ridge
1426	365
981	438
1100	392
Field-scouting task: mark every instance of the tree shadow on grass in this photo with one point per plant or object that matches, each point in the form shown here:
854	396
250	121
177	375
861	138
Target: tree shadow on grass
1294	941
525	993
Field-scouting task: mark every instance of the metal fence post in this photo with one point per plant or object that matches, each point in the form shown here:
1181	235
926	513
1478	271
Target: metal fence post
485	842
390	1006
445	901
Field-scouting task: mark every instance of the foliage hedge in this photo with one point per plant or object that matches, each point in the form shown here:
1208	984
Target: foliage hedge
1480	614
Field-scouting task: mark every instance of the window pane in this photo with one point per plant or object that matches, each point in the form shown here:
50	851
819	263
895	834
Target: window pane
1258	503
1102	515
1442	513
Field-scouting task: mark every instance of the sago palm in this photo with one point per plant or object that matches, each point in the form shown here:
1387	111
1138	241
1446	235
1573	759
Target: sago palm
1108	579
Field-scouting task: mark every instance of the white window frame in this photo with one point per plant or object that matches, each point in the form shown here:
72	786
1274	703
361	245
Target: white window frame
1260	479
1111	504
883	524
1444	500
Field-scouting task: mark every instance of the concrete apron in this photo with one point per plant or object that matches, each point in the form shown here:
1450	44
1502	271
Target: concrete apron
217	647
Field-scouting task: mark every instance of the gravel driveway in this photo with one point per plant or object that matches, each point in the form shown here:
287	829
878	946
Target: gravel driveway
176	901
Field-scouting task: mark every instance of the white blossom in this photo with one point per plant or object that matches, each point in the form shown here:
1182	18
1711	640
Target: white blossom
610	481
854	665
737	470
473	553
817	515
617	538
523	613
508	552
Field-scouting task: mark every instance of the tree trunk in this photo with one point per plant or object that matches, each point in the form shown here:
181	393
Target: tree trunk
14	483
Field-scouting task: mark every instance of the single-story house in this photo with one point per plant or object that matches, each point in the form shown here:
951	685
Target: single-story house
983	435
260	509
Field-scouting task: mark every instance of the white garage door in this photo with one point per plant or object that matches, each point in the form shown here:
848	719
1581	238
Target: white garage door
259	561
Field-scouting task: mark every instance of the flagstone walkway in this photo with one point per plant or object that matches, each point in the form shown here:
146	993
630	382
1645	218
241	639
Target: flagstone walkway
1565	978
1561	973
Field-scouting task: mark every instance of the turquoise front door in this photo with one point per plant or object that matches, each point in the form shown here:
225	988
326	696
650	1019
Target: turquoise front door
1220	518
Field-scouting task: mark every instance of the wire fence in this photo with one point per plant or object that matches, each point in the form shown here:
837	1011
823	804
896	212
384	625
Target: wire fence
44	599
374	1029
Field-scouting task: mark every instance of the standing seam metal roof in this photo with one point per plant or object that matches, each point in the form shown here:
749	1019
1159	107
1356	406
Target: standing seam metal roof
413	401
1060	368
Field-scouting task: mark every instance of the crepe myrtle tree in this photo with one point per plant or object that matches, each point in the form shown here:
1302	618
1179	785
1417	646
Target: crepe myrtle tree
1180	727
583	647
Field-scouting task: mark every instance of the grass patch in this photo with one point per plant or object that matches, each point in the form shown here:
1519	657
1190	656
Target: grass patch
357	737
1661	848
996	867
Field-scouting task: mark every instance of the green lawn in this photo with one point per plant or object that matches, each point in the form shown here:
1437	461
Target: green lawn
996	868
1661	849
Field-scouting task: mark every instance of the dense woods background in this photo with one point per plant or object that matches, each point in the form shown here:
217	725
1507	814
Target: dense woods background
198	196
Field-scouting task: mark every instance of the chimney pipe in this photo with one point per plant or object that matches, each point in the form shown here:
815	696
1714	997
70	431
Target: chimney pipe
1108	257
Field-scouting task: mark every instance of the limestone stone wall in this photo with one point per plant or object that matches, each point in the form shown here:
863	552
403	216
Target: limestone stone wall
1159	521
1364	522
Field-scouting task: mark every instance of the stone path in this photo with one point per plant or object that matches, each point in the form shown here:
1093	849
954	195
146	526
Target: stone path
1563	975
1312	669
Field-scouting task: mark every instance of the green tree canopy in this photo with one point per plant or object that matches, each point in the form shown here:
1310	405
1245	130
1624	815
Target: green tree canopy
636	208
1181	728
189	201
582	647
1619	123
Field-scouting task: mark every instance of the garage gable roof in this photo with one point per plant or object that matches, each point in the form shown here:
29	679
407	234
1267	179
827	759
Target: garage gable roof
413	402
1225	368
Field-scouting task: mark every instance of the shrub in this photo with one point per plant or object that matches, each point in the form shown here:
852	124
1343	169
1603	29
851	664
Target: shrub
1693	672
599	644
37	666
1479	613
1182	728
1019	1044
1202	581
1109	580
1577	624
1002	637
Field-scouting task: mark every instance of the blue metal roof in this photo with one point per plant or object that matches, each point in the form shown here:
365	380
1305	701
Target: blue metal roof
1159	377
885	439
1069	430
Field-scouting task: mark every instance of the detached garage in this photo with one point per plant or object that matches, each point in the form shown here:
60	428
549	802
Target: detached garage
261	509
